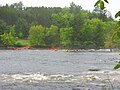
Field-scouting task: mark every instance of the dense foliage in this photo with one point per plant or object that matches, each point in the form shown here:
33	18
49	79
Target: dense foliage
54	26
115	33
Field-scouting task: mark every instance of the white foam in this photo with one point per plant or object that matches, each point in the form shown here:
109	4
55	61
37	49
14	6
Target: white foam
100	76
90	77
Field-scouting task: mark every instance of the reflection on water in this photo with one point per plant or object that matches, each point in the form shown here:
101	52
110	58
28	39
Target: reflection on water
57	70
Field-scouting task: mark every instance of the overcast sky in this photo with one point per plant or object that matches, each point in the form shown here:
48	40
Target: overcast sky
113	6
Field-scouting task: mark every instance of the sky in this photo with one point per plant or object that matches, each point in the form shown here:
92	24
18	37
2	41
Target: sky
113	6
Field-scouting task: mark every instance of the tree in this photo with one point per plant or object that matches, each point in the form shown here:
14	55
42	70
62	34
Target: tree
117	28
8	39
77	23
79	18
74	9
22	26
37	35
12	30
52	36
66	36
117	15
18	6
92	34
109	43
3	27
63	18
101	14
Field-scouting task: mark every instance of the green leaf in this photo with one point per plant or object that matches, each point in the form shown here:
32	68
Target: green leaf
98	2
102	5
117	66
106	1
118	23
117	14
118	34
117	26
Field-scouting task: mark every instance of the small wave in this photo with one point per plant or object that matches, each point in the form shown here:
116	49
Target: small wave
35	77
101	76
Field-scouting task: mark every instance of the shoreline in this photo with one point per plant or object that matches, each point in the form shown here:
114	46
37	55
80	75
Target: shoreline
65	49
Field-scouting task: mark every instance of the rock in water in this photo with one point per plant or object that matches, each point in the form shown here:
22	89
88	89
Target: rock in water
94	69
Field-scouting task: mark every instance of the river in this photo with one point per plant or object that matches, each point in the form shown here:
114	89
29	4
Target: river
58	70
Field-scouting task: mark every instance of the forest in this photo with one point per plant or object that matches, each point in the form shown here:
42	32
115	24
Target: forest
68	27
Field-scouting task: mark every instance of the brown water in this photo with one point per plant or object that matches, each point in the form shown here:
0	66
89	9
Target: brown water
58	70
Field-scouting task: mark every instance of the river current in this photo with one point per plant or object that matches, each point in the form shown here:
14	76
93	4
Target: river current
58	70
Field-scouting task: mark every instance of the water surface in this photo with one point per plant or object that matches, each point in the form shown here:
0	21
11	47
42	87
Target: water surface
57	70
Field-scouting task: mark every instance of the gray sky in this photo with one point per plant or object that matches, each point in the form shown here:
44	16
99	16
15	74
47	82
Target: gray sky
113	6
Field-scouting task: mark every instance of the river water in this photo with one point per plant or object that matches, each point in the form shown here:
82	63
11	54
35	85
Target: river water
58	70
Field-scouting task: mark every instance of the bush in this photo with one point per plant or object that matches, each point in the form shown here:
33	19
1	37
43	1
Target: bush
8	39
18	44
37	35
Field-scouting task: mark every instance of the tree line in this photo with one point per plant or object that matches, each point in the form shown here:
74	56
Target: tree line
57	27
